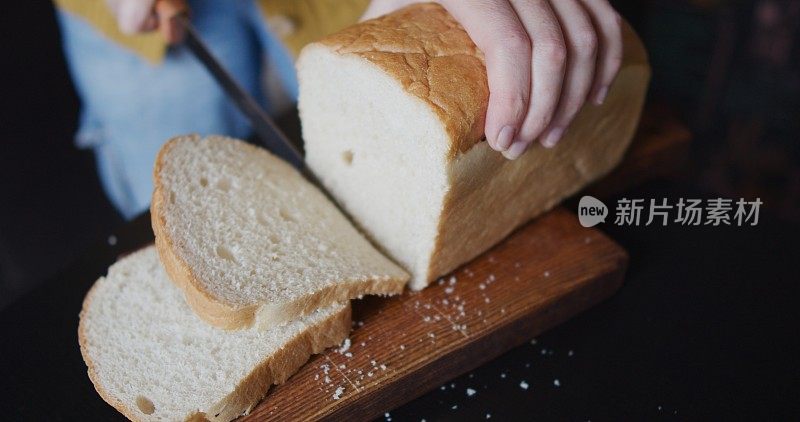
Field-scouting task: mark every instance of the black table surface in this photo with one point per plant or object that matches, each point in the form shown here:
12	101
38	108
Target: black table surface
705	326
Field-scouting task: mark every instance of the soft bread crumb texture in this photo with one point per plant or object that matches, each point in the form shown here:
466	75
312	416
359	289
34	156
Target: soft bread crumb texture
394	190
393	113
153	359
251	242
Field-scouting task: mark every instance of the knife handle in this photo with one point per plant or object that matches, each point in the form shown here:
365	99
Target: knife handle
167	11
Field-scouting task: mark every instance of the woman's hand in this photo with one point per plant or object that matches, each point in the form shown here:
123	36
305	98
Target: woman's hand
544	59
139	16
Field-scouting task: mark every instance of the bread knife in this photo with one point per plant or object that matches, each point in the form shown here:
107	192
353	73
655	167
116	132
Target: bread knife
265	129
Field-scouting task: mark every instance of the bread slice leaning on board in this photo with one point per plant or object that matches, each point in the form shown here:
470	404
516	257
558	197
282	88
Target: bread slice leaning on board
392	111
253	243
152	358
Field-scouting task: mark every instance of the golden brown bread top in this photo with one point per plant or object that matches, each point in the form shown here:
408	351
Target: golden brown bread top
431	55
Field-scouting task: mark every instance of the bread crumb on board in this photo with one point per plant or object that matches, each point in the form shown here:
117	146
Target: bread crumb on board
345	346
338	393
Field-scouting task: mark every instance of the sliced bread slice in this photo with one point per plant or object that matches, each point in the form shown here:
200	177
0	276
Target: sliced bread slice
152	358
251	242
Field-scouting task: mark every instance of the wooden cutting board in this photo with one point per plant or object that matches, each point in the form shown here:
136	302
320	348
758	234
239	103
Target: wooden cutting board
402	347
545	273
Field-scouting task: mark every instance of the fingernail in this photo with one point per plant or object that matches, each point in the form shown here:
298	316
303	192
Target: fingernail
551	139
504	138
600	98
515	150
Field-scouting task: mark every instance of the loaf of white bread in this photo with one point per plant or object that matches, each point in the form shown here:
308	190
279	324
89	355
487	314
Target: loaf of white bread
392	111
153	359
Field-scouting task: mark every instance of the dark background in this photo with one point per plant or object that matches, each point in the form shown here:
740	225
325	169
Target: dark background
706	324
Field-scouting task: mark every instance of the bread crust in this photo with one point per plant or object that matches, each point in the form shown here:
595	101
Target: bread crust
275	369
219	313
425	49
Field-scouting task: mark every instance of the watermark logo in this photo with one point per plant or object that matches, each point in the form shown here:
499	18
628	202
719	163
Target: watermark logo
686	212
591	211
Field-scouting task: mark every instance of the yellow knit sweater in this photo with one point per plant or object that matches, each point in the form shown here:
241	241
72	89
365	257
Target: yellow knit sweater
296	22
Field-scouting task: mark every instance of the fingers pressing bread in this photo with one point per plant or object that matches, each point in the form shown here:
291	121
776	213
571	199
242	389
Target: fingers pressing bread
497	30
544	61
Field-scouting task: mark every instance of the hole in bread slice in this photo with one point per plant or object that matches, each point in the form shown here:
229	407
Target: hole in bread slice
145	405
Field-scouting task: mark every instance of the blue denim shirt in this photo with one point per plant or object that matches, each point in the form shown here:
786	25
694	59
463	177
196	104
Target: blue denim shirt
130	107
